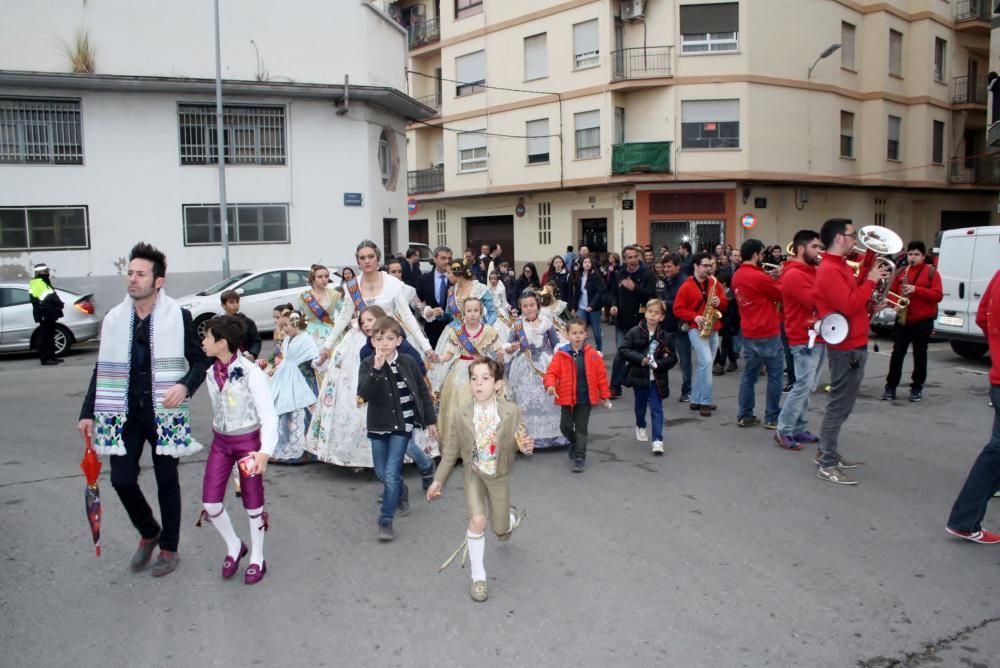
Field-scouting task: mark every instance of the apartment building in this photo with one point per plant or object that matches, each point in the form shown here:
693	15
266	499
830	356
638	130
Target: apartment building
124	148
608	122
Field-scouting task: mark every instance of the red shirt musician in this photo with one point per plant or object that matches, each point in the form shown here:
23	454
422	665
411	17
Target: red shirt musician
693	296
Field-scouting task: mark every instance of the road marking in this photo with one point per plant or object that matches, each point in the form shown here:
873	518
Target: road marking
978	372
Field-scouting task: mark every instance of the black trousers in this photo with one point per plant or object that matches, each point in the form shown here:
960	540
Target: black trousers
573	421
46	340
125	479
918	334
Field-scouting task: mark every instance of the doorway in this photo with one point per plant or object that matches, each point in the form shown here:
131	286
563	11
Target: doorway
418	232
490	230
594	234
703	235
388	224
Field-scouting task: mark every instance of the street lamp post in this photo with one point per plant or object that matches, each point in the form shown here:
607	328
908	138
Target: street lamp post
827	52
221	147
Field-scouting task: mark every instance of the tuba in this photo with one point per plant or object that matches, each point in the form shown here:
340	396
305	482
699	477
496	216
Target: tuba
710	314
875	242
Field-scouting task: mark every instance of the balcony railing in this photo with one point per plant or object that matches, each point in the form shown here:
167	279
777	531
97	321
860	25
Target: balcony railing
972	10
425	180
969	90
432	101
424	32
649	156
983	170
641	62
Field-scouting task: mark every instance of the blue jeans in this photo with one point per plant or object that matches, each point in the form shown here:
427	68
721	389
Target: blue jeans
766	351
983	481
618	368
682	346
423	462
593	320
702	355
387	454
649	395
794	414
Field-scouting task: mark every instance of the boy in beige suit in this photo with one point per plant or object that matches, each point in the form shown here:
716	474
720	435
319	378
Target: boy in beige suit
486	433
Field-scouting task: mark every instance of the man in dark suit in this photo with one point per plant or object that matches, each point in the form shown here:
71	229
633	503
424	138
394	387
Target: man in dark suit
411	268
432	290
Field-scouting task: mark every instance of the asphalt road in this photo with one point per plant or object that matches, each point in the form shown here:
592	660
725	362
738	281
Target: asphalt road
727	551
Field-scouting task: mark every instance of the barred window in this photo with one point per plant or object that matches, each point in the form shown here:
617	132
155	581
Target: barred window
40	131
251	135
29	228
247	223
544	223
441	220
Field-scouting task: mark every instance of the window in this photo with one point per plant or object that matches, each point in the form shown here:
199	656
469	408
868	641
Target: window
297	279
247	223
29	228
465	8
40	131
846	134
14	297
258	285
619	128
586	52
880	209
892	149
472	155
536	57
710	28
441	226
470	70
544	223
940	51
937	143
895	53
588	134
538	141
251	135
385	157
710	124
847	45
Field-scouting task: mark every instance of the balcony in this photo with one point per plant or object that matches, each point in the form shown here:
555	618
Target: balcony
976	171
641	63
972	16
432	101
969	90
424	31
425	180
645	157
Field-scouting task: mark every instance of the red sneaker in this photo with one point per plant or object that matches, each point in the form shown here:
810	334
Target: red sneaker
981	536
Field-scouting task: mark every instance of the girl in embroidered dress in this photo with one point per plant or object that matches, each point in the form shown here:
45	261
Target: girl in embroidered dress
246	432
322	303
292	394
463	286
466	340
338	434
498	291
533	341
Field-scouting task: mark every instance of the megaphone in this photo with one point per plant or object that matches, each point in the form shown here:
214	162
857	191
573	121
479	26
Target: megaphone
833	328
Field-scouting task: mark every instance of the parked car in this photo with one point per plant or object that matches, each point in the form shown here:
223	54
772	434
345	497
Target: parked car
968	259
19	331
260	292
884	321
426	256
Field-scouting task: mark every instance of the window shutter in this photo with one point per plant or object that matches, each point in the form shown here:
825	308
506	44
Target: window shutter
721	17
538	141
588	120
471	140
535	57
471	67
585	38
710	111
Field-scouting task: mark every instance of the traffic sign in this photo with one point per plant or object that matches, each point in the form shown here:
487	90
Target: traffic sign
412	206
748	221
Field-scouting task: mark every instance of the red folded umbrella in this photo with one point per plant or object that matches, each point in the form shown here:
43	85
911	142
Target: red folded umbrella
91	467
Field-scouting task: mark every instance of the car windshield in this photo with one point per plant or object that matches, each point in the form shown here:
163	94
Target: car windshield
222	285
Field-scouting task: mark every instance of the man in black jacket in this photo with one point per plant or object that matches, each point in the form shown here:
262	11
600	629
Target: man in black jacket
679	341
432	290
631	287
411	268
46	308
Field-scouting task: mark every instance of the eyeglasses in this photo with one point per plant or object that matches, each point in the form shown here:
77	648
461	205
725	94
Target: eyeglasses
851	234
705	265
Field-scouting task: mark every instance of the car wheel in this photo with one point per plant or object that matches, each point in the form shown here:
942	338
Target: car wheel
969	349
63	340
199	325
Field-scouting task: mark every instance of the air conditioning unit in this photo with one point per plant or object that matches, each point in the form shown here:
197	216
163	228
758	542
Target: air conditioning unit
417	10
633	10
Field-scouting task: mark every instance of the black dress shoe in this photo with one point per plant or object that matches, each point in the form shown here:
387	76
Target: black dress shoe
694	406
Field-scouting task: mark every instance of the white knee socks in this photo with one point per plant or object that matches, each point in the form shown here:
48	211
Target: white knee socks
219	518
477	552
256	535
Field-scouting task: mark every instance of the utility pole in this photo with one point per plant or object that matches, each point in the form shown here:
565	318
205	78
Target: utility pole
221	148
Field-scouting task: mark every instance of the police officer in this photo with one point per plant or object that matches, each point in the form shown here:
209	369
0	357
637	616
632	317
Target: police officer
47	308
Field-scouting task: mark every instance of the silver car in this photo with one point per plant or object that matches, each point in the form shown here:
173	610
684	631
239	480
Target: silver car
18	329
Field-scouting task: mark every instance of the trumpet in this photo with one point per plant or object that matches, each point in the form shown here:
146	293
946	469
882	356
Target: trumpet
769	267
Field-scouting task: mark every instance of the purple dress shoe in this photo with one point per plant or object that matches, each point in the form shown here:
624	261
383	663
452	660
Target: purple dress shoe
231	565
255	573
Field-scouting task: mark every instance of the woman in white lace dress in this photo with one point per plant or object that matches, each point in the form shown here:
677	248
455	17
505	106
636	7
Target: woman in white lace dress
338	433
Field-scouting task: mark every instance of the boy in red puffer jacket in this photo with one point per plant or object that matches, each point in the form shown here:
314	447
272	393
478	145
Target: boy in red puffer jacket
576	377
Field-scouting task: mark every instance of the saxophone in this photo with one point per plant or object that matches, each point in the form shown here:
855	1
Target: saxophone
711	314
903	306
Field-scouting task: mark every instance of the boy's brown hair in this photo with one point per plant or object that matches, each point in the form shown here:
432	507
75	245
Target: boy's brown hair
496	369
229	296
226	327
578	322
386	325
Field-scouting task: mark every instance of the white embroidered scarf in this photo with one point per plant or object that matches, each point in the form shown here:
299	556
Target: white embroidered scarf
168	365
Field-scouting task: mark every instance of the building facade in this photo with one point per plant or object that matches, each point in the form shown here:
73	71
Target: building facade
96	156
608	122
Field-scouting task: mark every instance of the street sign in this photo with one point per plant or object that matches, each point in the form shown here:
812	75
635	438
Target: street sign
412	206
628	204
353	199
748	221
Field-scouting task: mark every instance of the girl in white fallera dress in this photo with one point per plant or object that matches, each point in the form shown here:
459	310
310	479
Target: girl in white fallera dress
338	433
291	391
504	318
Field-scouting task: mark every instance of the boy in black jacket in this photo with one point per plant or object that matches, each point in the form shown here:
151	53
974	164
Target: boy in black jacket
251	343
398	402
647	352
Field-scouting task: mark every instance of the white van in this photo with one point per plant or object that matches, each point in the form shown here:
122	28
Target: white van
967	260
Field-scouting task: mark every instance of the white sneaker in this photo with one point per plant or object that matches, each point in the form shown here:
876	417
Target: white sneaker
657	447
640	434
